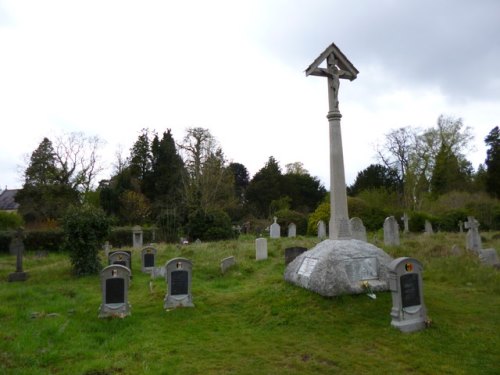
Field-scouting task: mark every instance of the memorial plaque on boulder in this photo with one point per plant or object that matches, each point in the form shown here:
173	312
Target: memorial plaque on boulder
178	275
405	282
148	256
115	280
120	257
293	252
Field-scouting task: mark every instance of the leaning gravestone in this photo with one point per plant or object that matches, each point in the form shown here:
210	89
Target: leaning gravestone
120	257
293	252
178	275
17	247
473	239
489	257
275	230
148	256
115	280
137	237
292	230
227	263
408	312
321	230
391	231
260	249
358	230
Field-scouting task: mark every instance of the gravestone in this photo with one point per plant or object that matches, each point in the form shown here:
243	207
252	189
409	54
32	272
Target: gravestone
178	275
17	247
489	257
391	231
405	219
275	229
120	257
260	249
473	239
227	263
292	230
408	312
158	272
293	252
428	228
148	256
358	230
137	237
115	281
461	226
455	250
107	248
341	271
321	230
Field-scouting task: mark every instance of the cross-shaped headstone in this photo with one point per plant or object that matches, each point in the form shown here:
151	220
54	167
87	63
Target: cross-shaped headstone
19	275
405	219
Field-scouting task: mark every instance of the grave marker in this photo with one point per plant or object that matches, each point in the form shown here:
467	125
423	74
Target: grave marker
358	230
148	256
473	239
408	312
489	257
227	263
292	230
17	247
178	275
260	249
428	228
405	219
321	230
293	252
137	237
121	257
275	229
391	231
115	281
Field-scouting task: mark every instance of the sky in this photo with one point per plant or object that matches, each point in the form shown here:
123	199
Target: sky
236	67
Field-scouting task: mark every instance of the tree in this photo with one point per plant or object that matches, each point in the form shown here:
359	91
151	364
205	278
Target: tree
305	191
449	173
140	156
492	162
375	176
241	179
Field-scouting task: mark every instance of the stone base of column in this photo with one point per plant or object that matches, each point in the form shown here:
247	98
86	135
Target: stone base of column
18	276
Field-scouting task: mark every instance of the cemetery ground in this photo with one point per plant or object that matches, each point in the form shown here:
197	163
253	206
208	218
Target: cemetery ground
249	320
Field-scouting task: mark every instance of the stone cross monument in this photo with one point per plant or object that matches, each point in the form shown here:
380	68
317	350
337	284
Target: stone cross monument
337	67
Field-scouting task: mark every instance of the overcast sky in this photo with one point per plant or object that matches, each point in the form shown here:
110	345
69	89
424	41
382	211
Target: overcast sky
112	68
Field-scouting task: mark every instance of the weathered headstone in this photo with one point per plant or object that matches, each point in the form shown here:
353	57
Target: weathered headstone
120	257
391	232
148	256
473	239
178	275
489	257
137	237
428	228
293	252
227	263
17	247
408	312
321	230
292	230
358	230
115	281
260	248
461	226
275	229
455	250
406	226
341	271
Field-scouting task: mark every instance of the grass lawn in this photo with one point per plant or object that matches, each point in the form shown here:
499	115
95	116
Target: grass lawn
250	321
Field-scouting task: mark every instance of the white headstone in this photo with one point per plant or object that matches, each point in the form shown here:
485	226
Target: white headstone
275	229
405	219
321	229
391	231
428	227
473	239
292	230
358	230
260	249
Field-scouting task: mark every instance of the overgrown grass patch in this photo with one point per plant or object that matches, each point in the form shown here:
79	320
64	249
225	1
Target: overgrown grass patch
249	320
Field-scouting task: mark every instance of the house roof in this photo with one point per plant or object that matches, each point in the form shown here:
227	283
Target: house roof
7	202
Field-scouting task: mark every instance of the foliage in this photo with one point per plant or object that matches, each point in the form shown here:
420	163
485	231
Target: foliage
322	212
134	207
492	162
265	187
304	190
375	176
448	221
210	226
372	216
449	174
417	221
85	229
10	220
44	240
287	216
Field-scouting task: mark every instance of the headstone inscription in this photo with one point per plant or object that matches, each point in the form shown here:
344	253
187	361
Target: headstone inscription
293	252
358	230
408	312
148	256
178	275
391	232
321	230
115	281
260	248
473	239
137	237
17	247
292	230
227	263
122	257
275	229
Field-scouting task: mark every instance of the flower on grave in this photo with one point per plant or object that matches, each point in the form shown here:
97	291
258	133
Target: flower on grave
367	287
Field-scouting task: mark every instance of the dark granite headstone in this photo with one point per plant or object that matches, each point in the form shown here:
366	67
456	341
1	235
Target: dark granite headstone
115	281
178	275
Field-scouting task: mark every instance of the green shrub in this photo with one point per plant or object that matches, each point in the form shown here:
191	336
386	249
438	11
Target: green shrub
10	220
85	228
210	226
448	221
286	217
321	213
417	221
47	240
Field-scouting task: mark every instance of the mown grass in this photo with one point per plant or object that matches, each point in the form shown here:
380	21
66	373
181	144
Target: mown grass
249	321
